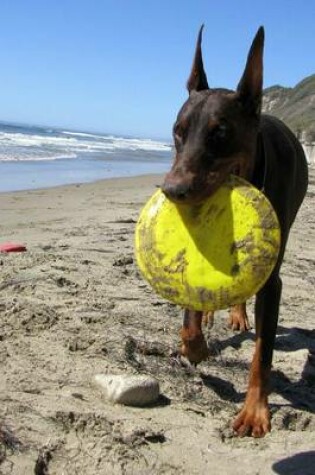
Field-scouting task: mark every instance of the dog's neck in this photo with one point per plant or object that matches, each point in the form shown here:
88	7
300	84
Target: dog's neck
260	167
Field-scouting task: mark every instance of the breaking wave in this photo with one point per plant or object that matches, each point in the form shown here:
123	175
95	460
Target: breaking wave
28	143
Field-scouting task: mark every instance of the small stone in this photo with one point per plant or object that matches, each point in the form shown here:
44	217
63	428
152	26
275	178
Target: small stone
123	261
134	390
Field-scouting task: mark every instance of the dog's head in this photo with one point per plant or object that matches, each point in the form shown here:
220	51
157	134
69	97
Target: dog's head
216	130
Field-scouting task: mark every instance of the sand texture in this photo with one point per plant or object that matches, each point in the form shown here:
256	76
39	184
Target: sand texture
74	305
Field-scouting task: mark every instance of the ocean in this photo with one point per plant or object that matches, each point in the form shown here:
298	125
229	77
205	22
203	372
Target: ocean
40	157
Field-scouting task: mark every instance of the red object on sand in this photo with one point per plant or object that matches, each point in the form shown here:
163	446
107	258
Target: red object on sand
12	247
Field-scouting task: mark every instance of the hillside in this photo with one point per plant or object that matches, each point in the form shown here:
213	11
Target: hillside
295	106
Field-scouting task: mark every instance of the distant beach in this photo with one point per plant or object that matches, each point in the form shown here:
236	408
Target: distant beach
40	157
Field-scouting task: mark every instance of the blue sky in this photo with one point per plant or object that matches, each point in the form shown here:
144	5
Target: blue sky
120	66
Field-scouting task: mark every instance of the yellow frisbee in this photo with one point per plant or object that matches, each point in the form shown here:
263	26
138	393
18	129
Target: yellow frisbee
212	255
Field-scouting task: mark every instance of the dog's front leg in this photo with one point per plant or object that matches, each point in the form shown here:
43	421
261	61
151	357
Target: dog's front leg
254	418
194	346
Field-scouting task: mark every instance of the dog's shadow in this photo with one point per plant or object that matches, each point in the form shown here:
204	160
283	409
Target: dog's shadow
301	463
224	389
300	394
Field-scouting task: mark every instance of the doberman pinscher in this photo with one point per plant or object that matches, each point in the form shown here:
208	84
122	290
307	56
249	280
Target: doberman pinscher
218	132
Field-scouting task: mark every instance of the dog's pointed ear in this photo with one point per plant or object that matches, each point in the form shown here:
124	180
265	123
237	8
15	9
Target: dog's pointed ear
197	80
250	86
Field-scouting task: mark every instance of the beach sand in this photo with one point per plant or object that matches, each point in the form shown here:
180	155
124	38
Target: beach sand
75	305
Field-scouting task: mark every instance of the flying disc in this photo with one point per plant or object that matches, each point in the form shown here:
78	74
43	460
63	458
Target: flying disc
211	255
12	247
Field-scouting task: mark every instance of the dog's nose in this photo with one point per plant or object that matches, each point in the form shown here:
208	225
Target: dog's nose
177	192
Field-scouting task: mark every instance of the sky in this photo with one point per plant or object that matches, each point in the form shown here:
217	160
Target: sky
120	66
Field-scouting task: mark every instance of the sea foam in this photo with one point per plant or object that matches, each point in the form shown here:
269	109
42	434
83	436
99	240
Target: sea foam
26	144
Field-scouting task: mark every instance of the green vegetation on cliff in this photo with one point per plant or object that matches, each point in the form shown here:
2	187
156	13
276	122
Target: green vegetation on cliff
295	106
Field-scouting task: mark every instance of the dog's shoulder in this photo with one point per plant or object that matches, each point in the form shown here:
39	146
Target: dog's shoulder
281	165
274	128
279	140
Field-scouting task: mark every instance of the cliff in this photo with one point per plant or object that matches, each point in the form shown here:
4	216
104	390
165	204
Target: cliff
296	107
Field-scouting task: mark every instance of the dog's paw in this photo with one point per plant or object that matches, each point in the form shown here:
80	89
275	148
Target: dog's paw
195	349
253	421
238	320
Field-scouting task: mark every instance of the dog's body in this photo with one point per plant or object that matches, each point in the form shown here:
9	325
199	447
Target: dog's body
218	132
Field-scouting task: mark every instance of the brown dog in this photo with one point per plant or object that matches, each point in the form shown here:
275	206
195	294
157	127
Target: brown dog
218	132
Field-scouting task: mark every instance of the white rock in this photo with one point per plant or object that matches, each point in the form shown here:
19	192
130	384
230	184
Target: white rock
134	390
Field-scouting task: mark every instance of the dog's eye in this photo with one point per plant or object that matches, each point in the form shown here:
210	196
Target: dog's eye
218	133
221	131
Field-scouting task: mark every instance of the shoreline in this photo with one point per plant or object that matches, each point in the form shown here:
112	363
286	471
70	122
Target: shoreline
97	182
108	179
38	157
28	175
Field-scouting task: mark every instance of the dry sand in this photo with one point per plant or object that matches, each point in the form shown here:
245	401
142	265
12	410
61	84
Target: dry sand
75	305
